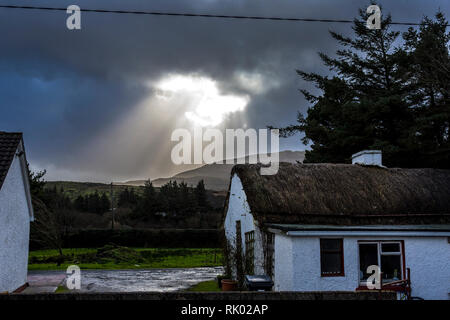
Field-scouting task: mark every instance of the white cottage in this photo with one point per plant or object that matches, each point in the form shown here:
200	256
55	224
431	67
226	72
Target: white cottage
317	227
16	212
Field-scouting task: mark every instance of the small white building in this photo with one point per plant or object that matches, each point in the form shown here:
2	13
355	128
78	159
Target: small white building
16	212
317	227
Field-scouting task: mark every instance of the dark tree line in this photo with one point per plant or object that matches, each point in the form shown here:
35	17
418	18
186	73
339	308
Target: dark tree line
52	214
57	200
56	215
386	94
55	212
93	203
127	198
173	200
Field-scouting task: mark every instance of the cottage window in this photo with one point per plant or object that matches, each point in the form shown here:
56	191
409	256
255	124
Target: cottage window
331	257
388	255
250	251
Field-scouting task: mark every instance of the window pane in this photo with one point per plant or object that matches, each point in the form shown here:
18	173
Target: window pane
368	255
390	247
331	263
391	267
331	244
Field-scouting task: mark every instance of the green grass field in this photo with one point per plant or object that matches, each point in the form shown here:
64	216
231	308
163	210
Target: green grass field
206	286
125	258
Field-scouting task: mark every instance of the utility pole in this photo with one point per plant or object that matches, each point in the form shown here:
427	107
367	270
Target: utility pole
112	207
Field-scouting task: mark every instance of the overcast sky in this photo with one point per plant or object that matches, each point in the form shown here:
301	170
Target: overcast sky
100	104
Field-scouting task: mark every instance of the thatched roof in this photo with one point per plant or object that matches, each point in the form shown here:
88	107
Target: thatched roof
346	194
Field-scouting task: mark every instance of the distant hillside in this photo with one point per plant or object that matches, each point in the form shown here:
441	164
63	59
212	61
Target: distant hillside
215	176
73	189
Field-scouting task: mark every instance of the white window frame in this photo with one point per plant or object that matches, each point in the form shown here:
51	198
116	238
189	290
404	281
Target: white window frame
380	253
250	246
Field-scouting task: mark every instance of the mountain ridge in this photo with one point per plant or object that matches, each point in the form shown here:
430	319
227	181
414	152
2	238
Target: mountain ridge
216	176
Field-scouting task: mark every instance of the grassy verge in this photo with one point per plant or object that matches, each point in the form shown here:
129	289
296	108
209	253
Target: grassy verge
206	286
62	289
115	257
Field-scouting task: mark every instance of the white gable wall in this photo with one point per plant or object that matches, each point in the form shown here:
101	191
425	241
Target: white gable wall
14	230
238	209
297	265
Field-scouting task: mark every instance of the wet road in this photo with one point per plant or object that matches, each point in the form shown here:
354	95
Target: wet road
162	280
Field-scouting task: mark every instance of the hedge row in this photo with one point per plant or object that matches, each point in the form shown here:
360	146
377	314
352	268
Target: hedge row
147	238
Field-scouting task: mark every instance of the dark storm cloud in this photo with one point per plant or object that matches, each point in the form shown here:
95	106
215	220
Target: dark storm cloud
75	94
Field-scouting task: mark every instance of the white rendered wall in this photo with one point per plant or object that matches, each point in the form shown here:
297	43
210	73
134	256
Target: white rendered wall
283	266
238	209
14	230
429	260
297	265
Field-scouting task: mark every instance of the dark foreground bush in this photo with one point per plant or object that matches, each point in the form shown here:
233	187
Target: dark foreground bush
147	238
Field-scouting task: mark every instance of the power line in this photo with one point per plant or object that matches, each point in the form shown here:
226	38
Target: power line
217	16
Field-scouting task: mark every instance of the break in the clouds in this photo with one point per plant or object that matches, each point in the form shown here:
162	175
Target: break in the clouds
101	103
200	96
